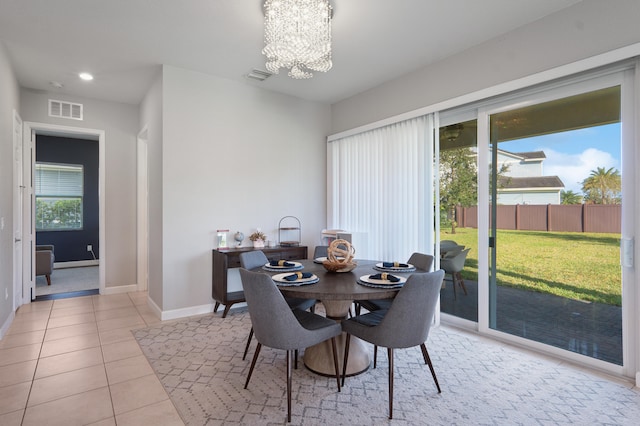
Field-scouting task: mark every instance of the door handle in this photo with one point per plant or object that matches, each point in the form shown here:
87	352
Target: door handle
17	240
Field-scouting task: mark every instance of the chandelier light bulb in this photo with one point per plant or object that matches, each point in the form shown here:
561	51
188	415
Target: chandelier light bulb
297	36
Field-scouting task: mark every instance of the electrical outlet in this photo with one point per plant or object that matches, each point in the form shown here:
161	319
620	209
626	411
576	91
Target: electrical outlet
89	247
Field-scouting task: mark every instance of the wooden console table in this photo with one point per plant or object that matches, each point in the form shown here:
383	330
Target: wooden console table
223	259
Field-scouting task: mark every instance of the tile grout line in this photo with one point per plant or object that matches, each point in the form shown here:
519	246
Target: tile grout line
33	378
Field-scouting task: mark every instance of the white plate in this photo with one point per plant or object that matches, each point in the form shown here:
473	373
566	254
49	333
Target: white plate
296	265
386	283
322	259
380	267
396	285
280	280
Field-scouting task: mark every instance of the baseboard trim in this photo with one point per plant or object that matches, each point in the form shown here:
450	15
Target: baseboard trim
155	308
120	289
76	264
5	327
186	312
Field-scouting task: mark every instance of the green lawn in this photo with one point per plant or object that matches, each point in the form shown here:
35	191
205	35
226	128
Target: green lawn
582	266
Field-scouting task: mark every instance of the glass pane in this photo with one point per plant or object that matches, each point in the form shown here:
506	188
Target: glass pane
556	223
459	219
58	213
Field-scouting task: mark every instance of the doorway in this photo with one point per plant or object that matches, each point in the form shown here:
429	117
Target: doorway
67	222
33	130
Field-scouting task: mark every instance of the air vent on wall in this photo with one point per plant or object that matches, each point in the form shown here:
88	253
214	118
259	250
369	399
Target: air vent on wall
62	109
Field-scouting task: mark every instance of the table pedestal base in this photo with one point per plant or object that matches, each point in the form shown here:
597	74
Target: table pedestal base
319	358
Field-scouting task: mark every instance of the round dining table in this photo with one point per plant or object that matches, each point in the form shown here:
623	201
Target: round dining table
337	291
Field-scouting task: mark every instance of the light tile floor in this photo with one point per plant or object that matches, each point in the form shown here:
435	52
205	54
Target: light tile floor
75	361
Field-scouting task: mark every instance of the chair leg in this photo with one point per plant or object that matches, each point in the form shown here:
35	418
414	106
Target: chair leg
346	357
453	281
253	364
390	355
427	360
295	359
215	307
48	279
246	348
375	356
335	361
461	282
289	374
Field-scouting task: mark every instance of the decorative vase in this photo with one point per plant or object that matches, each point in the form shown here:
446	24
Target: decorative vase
258	243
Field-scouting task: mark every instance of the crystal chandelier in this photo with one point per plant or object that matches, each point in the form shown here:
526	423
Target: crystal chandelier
297	35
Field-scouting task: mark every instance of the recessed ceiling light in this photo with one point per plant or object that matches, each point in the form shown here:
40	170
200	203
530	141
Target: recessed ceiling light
85	76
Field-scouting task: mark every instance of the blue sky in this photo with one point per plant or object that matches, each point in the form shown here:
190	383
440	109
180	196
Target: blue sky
573	155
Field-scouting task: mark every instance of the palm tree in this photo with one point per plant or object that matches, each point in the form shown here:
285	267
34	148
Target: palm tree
603	186
570	197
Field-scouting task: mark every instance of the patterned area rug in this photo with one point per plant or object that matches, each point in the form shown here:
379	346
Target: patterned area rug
199	361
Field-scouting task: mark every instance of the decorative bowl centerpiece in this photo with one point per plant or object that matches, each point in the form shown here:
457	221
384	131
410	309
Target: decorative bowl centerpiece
340	257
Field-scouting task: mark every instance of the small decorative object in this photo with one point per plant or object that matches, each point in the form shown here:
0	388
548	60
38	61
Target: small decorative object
222	238
239	237
340	257
289	231
258	239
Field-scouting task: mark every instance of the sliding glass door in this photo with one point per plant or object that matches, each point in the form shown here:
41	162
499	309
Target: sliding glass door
551	226
458	190
554	210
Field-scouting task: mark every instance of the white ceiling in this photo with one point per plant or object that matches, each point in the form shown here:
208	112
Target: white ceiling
123	42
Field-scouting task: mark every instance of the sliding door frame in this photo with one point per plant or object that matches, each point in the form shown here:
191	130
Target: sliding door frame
573	86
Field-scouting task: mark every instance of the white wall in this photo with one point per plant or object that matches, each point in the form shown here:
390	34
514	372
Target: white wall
234	157
120	123
9	101
151	118
529	197
586	29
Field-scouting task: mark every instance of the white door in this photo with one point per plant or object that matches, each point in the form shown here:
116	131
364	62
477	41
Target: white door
18	200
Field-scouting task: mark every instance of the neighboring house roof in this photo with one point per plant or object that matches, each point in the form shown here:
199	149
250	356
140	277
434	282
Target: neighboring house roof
511	183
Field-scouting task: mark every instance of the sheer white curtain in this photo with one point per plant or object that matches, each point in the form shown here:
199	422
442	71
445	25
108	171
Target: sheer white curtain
381	182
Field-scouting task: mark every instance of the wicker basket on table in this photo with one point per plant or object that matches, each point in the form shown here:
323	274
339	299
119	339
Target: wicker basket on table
340	257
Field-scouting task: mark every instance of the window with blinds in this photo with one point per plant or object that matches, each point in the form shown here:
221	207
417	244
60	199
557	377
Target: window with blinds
59	196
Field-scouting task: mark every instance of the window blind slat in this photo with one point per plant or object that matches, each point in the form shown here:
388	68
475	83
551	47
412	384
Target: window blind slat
58	180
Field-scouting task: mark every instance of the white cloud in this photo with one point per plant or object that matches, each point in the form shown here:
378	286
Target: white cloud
572	169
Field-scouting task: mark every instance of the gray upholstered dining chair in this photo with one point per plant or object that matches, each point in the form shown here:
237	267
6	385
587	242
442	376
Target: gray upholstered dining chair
406	324
254	259
454	265
279	327
320	251
421	261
